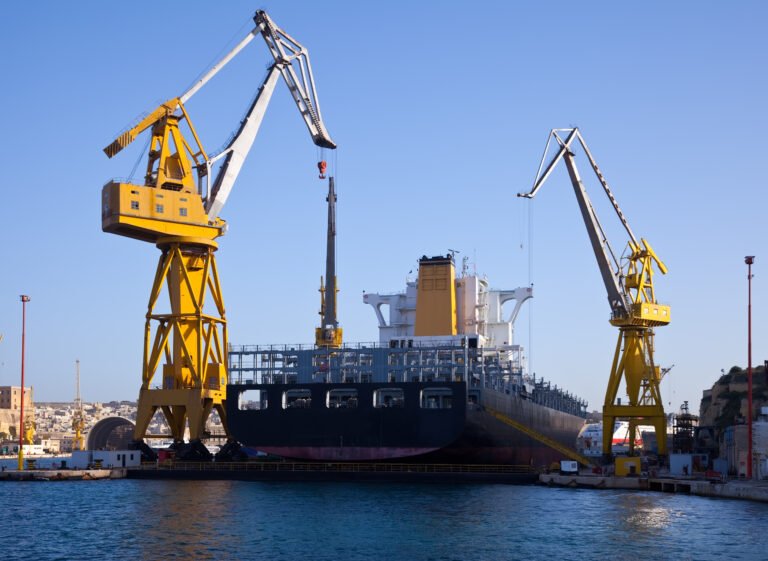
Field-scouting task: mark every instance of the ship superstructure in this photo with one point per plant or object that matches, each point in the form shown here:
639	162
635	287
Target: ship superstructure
477	308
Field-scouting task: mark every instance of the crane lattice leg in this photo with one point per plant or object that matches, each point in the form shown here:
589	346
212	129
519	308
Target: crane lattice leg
190	343
633	363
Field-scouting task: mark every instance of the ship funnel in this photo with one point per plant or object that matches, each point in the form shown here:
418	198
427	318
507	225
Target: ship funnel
436	297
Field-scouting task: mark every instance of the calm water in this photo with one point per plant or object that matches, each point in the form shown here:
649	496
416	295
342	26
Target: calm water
223	520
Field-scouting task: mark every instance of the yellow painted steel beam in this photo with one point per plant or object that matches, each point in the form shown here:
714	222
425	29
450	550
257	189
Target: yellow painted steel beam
640	412
130	135
544	439
188	344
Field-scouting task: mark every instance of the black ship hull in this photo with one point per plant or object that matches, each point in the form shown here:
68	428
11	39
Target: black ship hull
436	422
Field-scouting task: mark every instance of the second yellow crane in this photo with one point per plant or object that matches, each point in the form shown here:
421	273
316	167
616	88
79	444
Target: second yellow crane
634	308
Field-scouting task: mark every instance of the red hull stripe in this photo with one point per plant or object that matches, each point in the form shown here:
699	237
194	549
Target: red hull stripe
345	454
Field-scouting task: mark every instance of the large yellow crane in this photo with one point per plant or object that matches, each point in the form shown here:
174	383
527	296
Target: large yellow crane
634	308
177	209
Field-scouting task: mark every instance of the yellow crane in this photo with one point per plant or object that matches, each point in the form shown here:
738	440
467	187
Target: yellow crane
29	431
78	417
177	209
634	308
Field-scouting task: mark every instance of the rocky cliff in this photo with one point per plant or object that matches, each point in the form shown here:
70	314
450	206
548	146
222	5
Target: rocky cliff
726	403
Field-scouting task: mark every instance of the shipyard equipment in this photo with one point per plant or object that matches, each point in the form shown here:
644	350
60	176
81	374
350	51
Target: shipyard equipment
329	334
78	417
177	209
634	308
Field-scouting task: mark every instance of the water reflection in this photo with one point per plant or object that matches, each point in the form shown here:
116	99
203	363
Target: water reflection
186	517
641	514
237	521
647	513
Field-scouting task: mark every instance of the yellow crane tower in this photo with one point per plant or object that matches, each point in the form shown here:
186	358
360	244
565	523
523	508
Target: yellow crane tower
177	209
29	431
634	308
78	417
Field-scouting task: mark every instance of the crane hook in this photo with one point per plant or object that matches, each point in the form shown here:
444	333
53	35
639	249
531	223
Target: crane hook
321	166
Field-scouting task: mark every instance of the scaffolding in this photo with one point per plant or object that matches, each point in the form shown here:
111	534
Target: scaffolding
497	368
683	431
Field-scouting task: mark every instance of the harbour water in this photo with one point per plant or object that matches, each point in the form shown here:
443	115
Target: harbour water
231	520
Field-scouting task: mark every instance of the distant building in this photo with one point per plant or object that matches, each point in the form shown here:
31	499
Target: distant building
10	408
10	398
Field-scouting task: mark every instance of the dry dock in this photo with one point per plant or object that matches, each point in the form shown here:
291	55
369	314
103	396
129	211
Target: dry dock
748	490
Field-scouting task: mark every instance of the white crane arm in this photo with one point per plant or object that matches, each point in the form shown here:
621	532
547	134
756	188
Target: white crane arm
238	148
285	51
218	66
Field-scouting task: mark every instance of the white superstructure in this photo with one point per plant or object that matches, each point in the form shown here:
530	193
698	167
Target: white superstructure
479	311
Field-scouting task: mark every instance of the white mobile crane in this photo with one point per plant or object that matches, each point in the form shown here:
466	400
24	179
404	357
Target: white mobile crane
634	309
180	214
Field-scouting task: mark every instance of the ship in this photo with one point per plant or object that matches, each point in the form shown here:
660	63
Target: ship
590	440
445	383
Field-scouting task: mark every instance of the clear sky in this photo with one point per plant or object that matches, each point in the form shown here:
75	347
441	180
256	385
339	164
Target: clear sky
441	111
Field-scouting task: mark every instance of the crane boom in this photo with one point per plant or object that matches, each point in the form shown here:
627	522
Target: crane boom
238	148
285	49
606	259
218	66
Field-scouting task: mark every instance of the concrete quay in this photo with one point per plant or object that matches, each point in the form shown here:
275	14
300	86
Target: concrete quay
62	474
736	489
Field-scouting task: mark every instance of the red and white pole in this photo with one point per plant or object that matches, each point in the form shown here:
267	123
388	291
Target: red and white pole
24	300
749	259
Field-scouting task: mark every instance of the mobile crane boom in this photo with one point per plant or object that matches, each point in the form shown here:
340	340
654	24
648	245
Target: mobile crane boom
329	334
631	296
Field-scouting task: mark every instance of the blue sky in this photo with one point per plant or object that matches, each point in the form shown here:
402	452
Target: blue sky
441	111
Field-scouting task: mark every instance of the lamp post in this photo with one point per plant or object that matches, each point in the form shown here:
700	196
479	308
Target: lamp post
24	300
749	259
